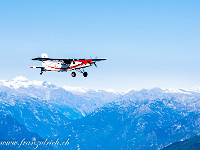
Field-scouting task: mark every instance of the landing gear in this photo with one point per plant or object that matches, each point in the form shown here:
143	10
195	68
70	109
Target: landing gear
85	74
73	74
41	71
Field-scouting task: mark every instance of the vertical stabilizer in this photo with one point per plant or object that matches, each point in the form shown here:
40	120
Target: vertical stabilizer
44	55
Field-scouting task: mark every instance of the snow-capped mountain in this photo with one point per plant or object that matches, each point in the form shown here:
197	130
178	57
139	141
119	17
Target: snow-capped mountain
185	98
102	119
87	100
42	107
82	99
21	81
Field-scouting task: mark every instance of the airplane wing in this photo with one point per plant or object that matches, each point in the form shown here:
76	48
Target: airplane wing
66	61
98	59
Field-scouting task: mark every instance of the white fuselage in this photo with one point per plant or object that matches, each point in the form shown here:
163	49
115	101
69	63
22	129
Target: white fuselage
59	66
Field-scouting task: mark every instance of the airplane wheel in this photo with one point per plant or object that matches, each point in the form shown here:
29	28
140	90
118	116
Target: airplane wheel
73	74
85	74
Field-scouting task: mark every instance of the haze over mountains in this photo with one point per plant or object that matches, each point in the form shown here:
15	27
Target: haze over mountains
99	119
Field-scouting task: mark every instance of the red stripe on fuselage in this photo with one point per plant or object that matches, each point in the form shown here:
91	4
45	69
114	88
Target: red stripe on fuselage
83	63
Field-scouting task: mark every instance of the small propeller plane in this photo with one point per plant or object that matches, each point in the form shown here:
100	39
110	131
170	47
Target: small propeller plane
64	65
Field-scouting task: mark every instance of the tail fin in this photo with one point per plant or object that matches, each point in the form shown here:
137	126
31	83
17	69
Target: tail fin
44	55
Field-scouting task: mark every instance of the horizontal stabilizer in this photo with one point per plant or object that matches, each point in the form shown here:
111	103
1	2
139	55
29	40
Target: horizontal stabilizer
36	67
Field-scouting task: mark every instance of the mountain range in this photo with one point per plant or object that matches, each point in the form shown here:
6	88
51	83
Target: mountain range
101	119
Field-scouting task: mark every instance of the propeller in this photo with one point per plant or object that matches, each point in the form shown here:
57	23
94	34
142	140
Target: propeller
95	64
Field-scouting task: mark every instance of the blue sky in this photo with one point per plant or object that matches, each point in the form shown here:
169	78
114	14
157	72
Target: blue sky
148	43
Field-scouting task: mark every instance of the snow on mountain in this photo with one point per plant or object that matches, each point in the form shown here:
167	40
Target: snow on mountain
82	99
20	81
195	89
82	90
75	90
87	100
177	91
115	91
23	82
145	118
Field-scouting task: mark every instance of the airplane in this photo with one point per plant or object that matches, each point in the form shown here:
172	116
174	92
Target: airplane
65	64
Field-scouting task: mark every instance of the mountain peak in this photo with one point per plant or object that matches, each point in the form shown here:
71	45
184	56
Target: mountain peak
20	78
75	90
20	81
